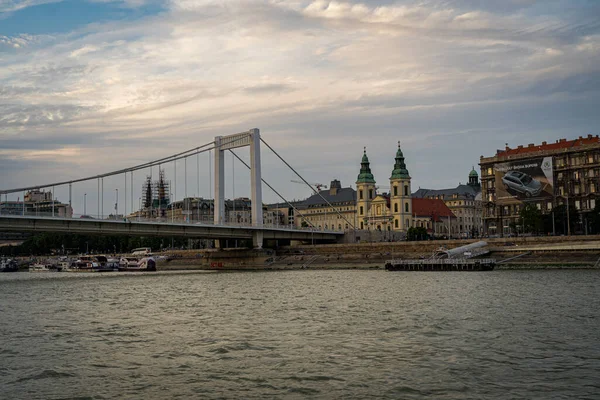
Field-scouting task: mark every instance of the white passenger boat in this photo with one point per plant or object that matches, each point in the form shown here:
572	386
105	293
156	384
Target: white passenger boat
137	264
44	267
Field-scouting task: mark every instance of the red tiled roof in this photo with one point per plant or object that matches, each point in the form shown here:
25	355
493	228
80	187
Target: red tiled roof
434	208
561	144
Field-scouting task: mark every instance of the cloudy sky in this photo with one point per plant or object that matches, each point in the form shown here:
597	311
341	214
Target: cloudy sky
97	85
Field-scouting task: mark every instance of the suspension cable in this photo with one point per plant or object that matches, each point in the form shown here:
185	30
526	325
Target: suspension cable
178	156
271	187
308	184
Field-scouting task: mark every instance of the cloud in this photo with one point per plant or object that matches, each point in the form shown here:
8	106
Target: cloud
320	78
8	6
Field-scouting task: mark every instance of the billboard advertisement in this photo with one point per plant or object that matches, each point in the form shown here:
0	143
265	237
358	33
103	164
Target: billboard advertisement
525	179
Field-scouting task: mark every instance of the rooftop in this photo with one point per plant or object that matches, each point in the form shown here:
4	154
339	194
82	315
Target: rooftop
434	208
560	144
460	190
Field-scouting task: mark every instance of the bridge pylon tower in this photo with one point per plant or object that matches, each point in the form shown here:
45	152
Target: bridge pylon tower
251	139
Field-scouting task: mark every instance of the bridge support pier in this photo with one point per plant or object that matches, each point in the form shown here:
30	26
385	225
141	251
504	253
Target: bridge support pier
257	239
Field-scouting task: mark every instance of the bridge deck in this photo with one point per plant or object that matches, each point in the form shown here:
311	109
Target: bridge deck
111	227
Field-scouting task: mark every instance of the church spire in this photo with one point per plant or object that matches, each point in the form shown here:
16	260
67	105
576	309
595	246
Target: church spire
400	171
365	175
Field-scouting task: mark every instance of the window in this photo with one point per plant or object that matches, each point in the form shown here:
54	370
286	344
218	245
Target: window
407	223
577	204
395	207
370	194
362	225
362	211
406	190
395	190
395	223
406	207
360	194
593	203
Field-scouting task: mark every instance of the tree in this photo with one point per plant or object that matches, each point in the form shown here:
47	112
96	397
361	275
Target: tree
593	218
419	233
531	218
561	217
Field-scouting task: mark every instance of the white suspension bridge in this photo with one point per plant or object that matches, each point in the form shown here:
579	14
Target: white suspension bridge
151	218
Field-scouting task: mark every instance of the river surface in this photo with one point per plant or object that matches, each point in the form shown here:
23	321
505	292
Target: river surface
301	334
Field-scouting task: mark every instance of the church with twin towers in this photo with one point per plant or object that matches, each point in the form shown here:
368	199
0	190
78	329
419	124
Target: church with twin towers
386	211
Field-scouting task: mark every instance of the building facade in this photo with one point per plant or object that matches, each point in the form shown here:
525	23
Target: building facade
549	175
37	203
435	216
333	209
465	202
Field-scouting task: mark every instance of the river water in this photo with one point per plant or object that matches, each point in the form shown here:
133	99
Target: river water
301	334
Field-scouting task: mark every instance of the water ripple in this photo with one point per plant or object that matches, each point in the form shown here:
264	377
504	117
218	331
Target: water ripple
321	334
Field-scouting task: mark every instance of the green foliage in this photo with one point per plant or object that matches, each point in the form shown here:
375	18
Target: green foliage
418	233
57	243
531	218
561	218
593	219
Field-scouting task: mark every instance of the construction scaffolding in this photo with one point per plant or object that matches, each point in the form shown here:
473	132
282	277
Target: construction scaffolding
156	195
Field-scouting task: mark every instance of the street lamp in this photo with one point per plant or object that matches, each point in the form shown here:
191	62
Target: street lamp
84	203
117	204
140	210
172	210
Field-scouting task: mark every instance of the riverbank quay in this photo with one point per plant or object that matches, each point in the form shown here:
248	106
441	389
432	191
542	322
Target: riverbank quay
536	253
532	252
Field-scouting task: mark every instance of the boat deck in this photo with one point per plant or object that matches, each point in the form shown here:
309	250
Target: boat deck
447	264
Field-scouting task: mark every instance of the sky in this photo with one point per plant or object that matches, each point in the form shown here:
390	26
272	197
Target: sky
90	86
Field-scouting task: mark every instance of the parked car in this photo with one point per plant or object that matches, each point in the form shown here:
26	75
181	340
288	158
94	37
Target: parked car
522	183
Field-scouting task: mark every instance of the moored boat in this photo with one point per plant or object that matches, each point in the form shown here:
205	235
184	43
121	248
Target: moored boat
8	265
44	267
84	264
446	264
105	264
137	264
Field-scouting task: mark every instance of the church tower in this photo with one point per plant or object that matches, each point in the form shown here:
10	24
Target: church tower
400	197
365	191
474	179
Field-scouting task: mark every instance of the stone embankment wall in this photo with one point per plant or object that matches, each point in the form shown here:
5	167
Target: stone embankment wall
374	255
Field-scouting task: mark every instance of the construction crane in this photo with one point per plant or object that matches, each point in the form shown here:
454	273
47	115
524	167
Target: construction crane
317	185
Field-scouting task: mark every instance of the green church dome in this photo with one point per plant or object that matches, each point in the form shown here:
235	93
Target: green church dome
473	173
400	171
365	175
